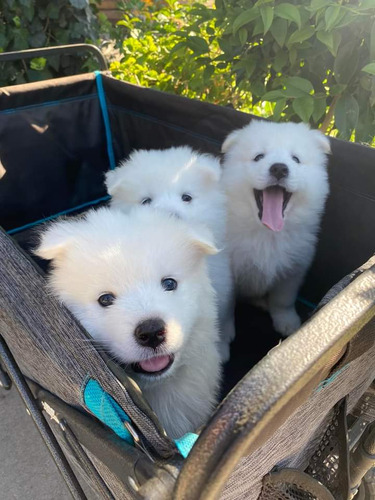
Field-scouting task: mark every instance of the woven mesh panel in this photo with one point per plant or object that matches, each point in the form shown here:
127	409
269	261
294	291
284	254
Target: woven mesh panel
285	491
328	464
292	484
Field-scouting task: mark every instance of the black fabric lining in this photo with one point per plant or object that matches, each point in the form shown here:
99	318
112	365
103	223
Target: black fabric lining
48	103
164	123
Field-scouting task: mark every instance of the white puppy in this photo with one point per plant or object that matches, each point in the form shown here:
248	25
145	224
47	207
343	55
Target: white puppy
138	283
187	184
276	181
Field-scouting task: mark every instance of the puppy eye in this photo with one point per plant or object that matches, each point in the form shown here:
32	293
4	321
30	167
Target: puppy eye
169	284
296	159
186	198
259	157
146	201
106	299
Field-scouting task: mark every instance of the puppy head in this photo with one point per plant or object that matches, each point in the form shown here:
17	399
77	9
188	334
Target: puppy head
177	180
282	165
135	281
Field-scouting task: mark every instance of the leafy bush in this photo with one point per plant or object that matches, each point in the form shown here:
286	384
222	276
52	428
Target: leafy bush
28	24
310	60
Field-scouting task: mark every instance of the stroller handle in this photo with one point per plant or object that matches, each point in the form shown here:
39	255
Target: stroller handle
57	50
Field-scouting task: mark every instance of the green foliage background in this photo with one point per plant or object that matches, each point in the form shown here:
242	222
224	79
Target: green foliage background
28	24
310	60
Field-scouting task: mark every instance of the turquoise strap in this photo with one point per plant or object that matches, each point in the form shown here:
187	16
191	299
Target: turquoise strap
185	443
105	408
105	115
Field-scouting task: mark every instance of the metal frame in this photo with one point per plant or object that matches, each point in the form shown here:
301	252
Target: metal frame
57	50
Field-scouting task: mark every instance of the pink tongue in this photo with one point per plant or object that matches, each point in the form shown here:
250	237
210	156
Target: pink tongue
272	216
154	364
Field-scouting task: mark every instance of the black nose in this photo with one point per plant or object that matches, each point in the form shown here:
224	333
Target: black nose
150	333
279	170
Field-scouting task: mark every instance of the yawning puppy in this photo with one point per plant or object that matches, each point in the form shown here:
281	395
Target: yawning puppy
187	184
138	283
276	181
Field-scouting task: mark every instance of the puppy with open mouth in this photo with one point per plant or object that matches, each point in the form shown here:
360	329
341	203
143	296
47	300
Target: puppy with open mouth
277	184
138	283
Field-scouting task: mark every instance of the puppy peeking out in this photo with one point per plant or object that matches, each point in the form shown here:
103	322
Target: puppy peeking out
186	184
138	283
276	181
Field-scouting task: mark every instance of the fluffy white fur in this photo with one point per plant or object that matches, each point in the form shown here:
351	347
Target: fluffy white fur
269	266
128	255
161	177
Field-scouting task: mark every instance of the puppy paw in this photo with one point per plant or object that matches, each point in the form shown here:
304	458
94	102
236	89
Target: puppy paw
285	321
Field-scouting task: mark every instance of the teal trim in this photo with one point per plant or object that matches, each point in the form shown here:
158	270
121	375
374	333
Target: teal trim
48	103
54	216
324	383
307	303
185	443
106	409
105	115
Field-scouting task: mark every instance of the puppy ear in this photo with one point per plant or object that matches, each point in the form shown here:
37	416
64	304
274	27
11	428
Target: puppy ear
211	173
114	180
231	139
54	240
203	241
322	141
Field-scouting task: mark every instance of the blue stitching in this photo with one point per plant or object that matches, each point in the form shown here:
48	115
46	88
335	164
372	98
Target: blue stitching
107	125
48	103
166	124
323	384
64	212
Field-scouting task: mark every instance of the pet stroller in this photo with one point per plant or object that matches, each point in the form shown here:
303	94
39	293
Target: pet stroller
298	422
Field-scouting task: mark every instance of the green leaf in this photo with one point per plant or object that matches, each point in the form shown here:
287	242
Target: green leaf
244	18
346	115
301	35
304	107
299	83
259	27
281	59
17	21
337	89
250	64
37	40
320	106
330	39
267	17
331	16
279	31
292	56
289	12
372	43
278	109
262	2
346	63
38	63
273	95
369	68
317	4
197	45
242	35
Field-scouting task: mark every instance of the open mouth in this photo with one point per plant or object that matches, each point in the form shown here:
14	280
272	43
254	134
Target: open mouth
272	203
154	366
